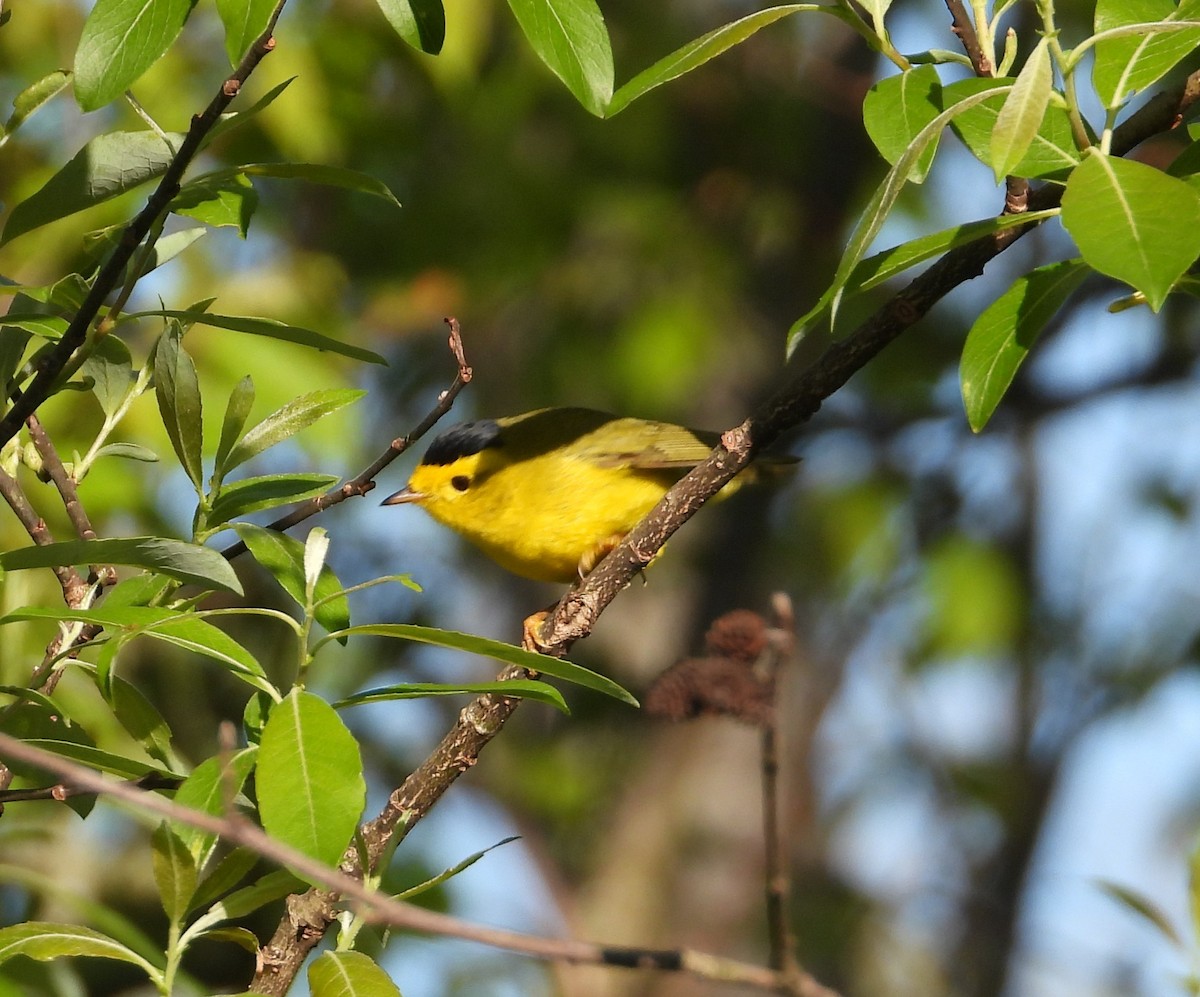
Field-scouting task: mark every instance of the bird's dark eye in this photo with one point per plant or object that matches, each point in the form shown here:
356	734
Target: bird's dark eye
460	482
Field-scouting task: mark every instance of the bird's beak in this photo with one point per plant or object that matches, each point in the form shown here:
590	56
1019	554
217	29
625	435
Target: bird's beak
405	494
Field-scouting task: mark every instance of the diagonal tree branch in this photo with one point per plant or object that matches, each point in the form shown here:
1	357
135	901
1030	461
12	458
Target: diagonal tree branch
310	915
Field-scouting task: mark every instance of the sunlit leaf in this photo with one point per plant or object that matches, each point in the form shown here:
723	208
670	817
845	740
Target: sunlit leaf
1004	333
569	36
897	108
421	23
1133	222
309	778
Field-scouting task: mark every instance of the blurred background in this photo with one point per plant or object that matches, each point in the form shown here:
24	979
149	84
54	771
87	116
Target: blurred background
993	711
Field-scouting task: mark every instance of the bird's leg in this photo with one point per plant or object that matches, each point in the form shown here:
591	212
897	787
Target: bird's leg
531	630
594	555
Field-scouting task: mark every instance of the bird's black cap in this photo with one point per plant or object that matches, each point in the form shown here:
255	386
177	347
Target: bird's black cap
463	440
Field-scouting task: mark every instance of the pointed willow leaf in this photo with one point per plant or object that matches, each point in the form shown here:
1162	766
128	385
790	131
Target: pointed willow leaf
241	400
349	974
1129	63
273	330
110	368
210	788
130	451
421	23
1002	336
107	166
236	119
569	36
309	778
897	108
46	326
187	562
1133	222
1052	153
318	173
498	650
287	421
283	557
46	941
227	202
178	391
696	53
121	39
27	102
266	492
174	872
521	688
874	270
1021	116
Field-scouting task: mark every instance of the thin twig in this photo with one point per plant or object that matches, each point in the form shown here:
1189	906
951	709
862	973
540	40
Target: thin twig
106	280
775	846
57	473
965	30
386	910
73	585
364	481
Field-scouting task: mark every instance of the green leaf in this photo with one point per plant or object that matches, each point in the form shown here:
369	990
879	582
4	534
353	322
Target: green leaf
1144	908
874	270
272	329
897	108
241	400
348	974
211	788
1021	116
695	53
29	100
184	630
229	201
141	720
170	246
421	23
46	940
244	21
522	688
283	557
252	494
178	391
287	421
227	873
318	173
454	870
46	326
309	778
102	761
174	872
130	451
110	367
186	562
38	719
1052	152
1126	64
1133	222
569	36
876	214
121	39
273	886
235	119
508	653
13	343
107	166
1003	335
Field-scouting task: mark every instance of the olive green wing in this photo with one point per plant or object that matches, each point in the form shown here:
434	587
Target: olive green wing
640	444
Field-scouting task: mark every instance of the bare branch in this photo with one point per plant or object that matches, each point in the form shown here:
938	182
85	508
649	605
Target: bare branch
364	481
